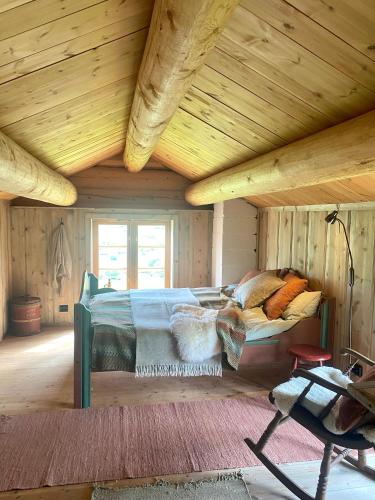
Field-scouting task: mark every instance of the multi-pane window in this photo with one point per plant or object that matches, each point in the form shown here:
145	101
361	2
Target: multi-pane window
112	255
132	254
151	255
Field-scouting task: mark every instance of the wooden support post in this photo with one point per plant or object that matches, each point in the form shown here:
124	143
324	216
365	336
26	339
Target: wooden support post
23	175
180	36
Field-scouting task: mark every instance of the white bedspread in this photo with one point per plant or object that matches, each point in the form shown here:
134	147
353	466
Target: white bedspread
258	326
152	308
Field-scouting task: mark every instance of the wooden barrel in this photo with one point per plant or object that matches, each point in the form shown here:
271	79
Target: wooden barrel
25	316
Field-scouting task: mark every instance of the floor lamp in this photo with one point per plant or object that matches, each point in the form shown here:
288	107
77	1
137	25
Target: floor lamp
331	219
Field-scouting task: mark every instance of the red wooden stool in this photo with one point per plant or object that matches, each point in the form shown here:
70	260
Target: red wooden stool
306	352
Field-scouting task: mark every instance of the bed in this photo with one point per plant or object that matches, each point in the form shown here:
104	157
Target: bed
92	356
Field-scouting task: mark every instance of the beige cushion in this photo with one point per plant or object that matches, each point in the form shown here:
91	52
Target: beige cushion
250	274
304	305
255	291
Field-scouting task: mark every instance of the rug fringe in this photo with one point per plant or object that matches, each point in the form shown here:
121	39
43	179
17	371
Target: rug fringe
213	370
225	476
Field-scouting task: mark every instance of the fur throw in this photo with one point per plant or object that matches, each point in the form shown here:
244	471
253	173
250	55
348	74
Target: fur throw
194	329
318	397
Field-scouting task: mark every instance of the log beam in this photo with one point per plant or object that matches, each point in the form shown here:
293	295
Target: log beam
340	152
23	175
180	36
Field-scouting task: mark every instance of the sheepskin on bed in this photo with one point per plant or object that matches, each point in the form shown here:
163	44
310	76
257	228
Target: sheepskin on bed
194	329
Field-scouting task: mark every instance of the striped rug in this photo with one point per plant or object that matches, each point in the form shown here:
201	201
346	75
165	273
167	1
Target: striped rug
78	446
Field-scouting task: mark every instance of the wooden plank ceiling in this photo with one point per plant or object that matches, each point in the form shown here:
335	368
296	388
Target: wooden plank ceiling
278	73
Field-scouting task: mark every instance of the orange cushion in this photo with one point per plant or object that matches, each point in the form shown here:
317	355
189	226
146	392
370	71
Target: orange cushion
279	301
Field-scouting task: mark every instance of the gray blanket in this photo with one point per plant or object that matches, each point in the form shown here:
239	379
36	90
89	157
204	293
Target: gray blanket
156	353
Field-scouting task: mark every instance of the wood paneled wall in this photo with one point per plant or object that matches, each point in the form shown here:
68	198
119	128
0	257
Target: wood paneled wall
114	187
31	232
234	248
300	238
4	265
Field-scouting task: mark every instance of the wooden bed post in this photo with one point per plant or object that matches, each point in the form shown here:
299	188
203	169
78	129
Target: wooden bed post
82	356
83	335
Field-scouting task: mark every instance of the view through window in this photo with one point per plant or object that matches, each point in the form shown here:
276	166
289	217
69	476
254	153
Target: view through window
132	254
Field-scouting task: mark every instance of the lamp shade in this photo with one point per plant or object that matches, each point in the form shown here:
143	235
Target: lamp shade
332	217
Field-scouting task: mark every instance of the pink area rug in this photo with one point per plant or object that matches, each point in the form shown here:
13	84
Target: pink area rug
78	446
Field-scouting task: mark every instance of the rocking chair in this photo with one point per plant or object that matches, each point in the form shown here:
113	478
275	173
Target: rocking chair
347	442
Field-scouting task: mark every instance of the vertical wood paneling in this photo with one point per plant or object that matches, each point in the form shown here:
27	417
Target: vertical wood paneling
299	241
202	226
31	236
272	236
319	250
336	279
284	258
316	249
183	254
67	293
18	238
193	262
80	262
362	240
235	241
5	265
262	238
36	244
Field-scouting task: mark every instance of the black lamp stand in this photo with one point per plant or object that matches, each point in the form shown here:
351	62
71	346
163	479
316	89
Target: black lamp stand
331	219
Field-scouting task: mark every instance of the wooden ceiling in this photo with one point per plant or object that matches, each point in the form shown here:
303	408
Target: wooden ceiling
280	71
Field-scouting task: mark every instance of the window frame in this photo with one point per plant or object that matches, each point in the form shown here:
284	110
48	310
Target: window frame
132	245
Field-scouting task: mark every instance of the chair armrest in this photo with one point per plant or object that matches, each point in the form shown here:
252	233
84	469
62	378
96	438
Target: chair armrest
357	355
300	372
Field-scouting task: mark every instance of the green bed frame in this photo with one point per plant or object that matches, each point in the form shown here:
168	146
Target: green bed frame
83	336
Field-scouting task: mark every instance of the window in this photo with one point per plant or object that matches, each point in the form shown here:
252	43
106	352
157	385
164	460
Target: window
111	255
132	253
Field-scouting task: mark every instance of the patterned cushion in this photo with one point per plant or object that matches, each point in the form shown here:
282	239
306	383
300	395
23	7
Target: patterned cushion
255	291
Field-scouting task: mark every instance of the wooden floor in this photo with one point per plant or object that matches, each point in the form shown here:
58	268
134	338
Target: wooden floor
36	374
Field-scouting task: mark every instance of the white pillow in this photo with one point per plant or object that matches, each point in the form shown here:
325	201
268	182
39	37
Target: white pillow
256	290
303	306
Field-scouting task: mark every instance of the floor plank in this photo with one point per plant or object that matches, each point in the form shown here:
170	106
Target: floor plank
36	374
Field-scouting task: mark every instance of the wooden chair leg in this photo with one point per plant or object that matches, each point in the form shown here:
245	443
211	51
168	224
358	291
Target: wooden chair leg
324	472
360	463
278	419
362	458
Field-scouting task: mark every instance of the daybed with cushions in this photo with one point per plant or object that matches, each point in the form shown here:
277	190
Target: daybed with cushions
310	309
190	332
